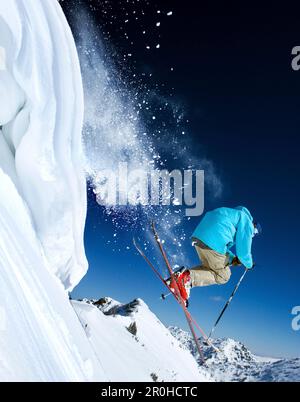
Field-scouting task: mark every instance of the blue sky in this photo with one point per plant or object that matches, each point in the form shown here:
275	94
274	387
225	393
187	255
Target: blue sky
233	74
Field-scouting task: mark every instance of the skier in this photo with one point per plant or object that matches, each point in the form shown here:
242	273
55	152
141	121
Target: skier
216	234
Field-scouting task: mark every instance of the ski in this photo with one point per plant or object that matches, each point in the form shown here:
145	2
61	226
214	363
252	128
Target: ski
180	301
157	273
187	313
190	320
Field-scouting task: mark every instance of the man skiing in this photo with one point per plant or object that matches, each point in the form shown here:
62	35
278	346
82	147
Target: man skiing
216	234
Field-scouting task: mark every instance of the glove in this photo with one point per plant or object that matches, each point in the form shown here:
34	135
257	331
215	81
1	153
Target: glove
236	262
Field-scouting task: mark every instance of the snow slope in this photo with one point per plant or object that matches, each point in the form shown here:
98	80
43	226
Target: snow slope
42	197
41	338
134	345
41	117
237	363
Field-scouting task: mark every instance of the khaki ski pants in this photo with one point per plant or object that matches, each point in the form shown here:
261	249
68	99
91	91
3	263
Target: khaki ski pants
214	269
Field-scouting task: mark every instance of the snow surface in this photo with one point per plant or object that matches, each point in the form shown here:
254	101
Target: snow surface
42	197
41	338
41	117
149	353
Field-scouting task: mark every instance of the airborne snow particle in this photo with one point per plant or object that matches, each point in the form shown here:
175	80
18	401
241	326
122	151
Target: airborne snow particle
158	24
170	13
148	47
158	46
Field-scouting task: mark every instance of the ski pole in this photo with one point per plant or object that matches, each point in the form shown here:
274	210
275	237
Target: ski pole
164	295
227	304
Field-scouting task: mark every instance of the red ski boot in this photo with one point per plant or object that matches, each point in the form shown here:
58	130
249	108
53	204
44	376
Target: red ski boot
184	284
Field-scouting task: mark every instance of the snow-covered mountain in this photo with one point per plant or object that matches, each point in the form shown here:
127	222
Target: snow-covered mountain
237	363
133	345
42	197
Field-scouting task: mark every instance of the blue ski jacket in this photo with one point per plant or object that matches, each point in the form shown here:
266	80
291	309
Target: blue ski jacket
223	228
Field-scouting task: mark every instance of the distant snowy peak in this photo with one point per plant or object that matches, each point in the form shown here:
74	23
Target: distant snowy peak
282	370
232	351
237	363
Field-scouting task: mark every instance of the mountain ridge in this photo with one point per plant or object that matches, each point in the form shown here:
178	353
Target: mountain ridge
237	363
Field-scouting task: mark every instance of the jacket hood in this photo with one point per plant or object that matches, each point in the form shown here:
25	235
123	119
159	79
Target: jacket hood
244	209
